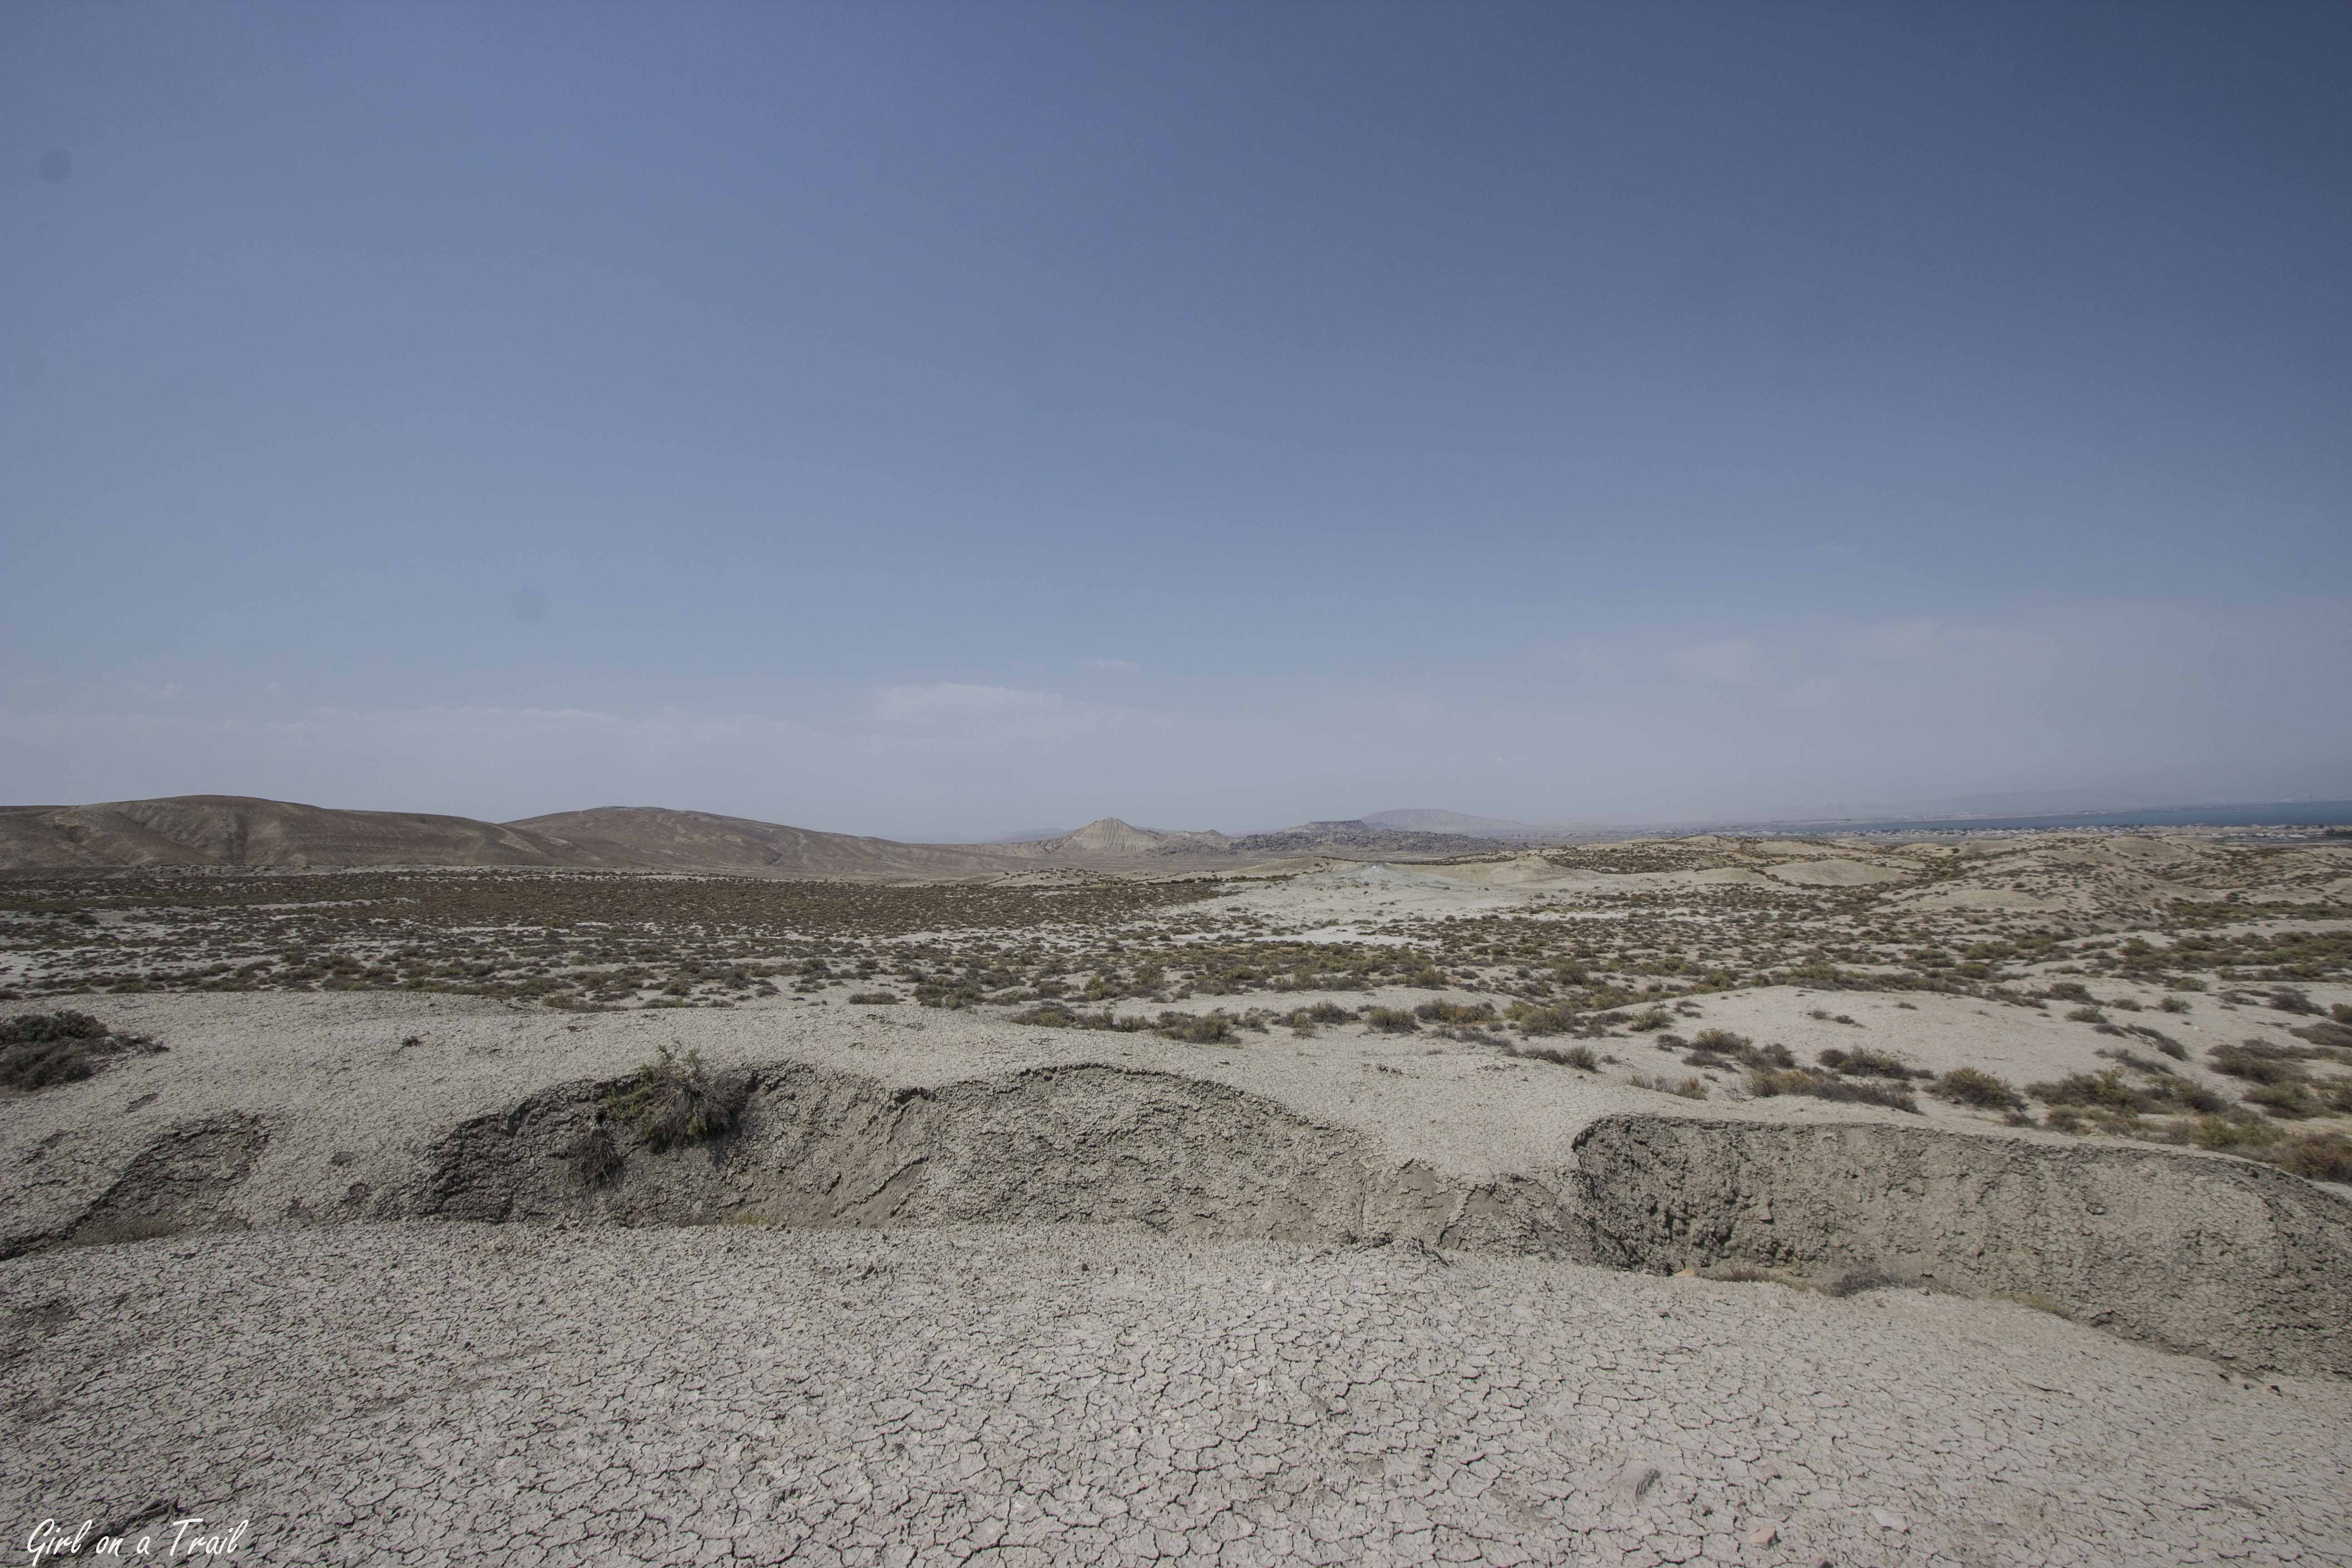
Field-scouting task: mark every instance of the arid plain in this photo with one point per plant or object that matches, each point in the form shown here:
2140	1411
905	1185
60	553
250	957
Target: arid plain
691	1191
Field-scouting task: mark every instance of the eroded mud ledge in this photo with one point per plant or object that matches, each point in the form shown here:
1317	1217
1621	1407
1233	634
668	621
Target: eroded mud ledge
2212	1256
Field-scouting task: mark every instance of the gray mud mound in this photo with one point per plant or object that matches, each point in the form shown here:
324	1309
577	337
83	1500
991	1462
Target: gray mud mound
2192	1252
185	1180
2222	1256
1077	1145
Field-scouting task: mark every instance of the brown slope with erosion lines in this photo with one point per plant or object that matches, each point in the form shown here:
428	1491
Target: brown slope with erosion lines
702	841
242	831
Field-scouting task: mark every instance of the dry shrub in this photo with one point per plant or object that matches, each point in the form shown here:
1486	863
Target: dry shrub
1195	1028
1766	1082
676	1099
40	1049
1455	1012
1688	1089
1545	1020
1967	1086
2258	1061
1869	1064
1391	1020
594	1154
1578	1057
2318	1156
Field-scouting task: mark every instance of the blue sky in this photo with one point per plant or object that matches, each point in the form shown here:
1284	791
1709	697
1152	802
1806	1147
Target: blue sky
947	419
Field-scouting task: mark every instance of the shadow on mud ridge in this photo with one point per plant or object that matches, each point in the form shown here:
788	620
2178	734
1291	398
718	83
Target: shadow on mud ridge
2194	1252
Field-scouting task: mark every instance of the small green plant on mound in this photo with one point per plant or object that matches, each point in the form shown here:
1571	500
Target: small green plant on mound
1390	1020
676	1099
39	1049
1766	1082
1969	1086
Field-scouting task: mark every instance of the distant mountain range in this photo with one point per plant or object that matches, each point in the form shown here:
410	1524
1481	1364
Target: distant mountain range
237	831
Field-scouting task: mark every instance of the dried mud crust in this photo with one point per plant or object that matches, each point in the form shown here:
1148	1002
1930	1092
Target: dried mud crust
450	1393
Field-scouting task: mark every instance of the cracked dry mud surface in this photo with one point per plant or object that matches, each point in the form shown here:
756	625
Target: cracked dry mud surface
424	1393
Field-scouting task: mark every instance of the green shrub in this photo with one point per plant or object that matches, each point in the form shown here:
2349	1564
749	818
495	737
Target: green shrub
1869	1064
1195	1028
1454	1013
1764	1082
2287	1102
676	1099
1391	1020
2317	1156
2112	1091
873	998
1655	1018
1967	1086
1578	1057
1545	1020
2258	1061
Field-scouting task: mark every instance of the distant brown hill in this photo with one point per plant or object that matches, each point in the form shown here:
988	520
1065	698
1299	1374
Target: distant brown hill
1111	839
656	836
1358	839
237	830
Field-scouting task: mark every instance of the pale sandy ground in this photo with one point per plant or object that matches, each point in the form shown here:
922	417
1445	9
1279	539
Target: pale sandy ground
358	1102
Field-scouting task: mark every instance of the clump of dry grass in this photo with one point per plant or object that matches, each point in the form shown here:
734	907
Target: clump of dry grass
1688	1089
676	1099
1391	1020
1195	1028
1970	1086
594	1154
1578	1057
1766	1082
39	1049
1870	1064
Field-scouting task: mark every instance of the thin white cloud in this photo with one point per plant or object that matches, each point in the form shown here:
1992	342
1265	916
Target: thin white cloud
952	716
1729	662
1120	666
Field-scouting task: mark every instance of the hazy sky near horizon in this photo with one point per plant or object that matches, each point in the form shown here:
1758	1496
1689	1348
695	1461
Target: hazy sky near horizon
946	419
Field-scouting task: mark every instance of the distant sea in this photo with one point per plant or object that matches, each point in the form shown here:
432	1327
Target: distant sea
2271	814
